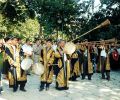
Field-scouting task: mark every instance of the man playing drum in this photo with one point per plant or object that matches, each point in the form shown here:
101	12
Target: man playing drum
47	59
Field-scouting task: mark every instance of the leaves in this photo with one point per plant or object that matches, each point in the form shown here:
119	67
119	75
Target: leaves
69	17
54	14
29	28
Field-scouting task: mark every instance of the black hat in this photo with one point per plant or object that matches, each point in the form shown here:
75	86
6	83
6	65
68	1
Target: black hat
50	40
6	39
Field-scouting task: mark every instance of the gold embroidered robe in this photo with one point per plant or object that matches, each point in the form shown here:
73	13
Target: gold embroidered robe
63	72
14	60
75	65
47	58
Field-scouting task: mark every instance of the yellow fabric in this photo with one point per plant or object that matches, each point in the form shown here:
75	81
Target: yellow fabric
108	63
17	65
90	66
61	80
48	58
76	69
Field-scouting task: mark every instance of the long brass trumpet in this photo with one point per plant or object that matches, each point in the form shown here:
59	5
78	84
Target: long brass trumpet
106	41
103	24
110	42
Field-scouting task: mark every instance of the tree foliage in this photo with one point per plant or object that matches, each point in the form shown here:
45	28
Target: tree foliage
16	19
54	14
71	17
109	9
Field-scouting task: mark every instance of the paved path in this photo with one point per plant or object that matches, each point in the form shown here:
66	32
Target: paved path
96	89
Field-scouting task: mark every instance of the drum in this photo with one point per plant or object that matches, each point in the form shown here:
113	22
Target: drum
70	47
26	63
38	68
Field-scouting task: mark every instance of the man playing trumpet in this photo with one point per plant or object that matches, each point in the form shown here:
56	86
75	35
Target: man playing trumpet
105	62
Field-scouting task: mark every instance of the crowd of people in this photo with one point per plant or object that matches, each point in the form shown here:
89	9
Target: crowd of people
86	60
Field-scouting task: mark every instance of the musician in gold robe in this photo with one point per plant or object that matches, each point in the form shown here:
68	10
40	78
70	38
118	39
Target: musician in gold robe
47	59
62	68
16	75
87	68
75	64
6	64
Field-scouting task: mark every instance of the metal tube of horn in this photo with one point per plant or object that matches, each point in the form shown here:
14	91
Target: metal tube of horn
105	23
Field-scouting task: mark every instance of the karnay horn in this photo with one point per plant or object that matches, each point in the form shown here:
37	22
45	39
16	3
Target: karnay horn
103	24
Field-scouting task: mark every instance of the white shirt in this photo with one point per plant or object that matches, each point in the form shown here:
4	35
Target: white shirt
14	54
65	57
27	49
85	53
103	53
37	49
54	47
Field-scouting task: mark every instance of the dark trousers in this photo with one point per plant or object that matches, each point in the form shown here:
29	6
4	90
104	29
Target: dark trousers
6	67
103	68
19	83
16	82
85	69
22	84
103	65
43	84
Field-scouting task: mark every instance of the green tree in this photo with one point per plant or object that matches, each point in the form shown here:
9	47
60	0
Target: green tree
109	9
15	18
54	14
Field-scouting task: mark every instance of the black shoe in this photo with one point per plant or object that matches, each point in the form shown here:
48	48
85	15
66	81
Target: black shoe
1	89
14	90
62	88
47	88
103	77
66	88
94	71
70	79
42	85
83	77
108	78
89	77
41	89
23	90
28	74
